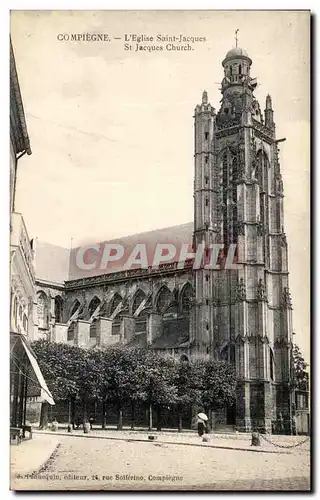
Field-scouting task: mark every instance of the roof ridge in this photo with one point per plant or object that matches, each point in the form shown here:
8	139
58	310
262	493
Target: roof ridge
138	234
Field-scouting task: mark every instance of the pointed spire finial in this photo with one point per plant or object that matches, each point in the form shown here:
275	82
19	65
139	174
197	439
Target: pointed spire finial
268	102
204	97
236	36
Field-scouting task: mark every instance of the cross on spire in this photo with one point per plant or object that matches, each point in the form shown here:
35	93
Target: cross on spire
236	36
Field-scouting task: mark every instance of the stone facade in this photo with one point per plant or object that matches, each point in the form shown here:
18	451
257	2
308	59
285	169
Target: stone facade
150	310
25	376
22	309
240	313
21	254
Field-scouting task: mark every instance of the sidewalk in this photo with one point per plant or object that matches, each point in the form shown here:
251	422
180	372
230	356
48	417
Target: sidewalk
240	442
31	455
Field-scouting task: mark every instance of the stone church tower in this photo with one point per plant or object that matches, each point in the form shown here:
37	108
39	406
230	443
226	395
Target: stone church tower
243	313
236	305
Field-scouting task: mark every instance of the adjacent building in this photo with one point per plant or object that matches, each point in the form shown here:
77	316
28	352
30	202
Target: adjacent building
25	375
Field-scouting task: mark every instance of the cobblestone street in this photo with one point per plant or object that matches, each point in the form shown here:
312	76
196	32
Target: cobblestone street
82	463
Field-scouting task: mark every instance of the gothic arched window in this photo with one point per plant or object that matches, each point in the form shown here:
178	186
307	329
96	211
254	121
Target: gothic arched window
225	197
94	304
93	328
229	169
115	302
58	308
164	299
141	322
42	310
75	307
116	323
186	297
25	323
263	170
70	332
138	299
234	200
262	176
183	320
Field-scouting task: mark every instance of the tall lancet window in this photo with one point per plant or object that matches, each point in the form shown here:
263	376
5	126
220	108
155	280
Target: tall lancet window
262	176
234	199
229	198
93	306
42	310
139	312
58	309
206	131
225	199
114	308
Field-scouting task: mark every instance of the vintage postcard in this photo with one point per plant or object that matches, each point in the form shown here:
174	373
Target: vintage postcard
159	205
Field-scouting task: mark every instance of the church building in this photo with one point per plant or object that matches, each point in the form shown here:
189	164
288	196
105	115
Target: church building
240	313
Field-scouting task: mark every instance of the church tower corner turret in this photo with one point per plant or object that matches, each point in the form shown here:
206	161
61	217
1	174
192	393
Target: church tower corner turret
268	114
205	202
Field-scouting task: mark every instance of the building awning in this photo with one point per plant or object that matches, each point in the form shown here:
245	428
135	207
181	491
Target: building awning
45	393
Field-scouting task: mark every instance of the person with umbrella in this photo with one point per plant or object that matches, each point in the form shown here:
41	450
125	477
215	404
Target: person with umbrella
201	422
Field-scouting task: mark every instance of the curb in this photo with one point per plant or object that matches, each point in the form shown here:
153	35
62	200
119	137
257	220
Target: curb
128	440
42	468
47	462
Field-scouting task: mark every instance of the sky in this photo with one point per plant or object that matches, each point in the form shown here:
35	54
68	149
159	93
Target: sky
111	130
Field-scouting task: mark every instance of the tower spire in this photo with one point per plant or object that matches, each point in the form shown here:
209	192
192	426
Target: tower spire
204	97
268	113
236	36
268	102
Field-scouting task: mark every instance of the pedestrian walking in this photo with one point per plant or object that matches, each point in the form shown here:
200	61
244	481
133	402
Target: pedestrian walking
201	423
91	420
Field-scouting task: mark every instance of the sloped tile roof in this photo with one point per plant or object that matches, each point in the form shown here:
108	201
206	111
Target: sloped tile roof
57	264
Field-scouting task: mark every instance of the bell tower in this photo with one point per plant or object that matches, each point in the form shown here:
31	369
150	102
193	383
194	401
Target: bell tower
243	314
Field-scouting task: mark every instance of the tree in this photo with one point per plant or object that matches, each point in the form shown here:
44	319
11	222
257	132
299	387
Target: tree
60	365
100	375
136	386
124	377
88	379
216	381
300	375
187	391
159	386
131	375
